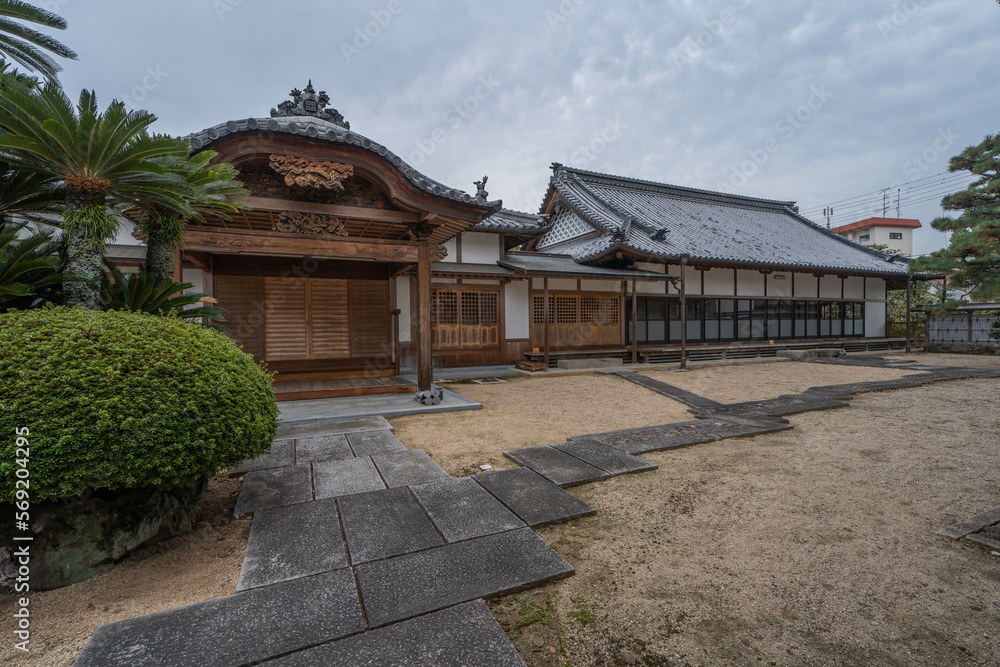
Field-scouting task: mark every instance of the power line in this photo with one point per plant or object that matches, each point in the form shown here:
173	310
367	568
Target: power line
887	195
878	192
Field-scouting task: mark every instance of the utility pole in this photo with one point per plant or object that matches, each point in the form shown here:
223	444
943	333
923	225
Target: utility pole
828	214
898	214
885	202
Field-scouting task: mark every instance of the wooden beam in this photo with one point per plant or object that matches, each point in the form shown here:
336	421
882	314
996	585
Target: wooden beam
684	324
909	285
635	321
424	347
545	331
273	204
235	242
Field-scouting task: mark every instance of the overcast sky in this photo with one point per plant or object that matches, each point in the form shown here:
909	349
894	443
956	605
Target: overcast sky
794	100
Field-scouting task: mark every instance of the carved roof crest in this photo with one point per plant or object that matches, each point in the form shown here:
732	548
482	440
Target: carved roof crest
309	174
309	103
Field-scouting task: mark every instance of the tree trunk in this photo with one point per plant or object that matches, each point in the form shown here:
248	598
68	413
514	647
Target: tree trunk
84	259
160	259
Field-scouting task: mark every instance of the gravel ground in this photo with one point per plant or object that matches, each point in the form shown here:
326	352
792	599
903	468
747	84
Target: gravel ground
763	380
814	546
524	412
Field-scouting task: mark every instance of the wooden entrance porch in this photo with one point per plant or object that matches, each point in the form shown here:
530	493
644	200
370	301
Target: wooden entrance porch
292	389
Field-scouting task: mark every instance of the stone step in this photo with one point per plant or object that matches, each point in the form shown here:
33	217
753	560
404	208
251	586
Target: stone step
466	634
244	628
281	454
322	448
275	487
408	468
556	466
606	458
291	542
400	588
682	434
534	499
462	510
382	524
332	426
342	478
373	443
670	391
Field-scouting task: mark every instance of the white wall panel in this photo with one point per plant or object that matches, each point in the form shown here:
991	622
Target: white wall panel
403	303
779	285
720	282
854	287
517	309
830	287
806	286
480	248
749	283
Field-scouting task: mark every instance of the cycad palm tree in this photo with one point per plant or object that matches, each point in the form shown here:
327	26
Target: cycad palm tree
27	46
29	268
210	184
101	158
28	197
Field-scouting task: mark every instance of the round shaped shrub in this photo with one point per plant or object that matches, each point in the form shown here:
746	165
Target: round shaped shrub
124	400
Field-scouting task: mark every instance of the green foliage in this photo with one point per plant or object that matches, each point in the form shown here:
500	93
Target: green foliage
28	195
121	400
29	270
27	46
139	292
922	294
972	258
529	614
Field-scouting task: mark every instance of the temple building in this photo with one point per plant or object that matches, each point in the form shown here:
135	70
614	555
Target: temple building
349	269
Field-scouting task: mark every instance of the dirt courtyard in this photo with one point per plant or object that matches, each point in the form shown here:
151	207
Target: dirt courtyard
812	546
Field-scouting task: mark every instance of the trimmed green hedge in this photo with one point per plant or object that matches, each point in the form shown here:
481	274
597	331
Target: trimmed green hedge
124	400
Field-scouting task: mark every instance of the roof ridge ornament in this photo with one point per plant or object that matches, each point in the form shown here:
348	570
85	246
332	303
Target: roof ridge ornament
481	192
309	103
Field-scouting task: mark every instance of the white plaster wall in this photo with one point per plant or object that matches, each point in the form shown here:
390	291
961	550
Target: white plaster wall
874	319
806	286
654	268
673	270
480	248
516	309
692	281
779	285
601	286
445	281
749	283
198	278
450	246
560	285
403	303
124	234
469	281
647	288
875	289
719	282
829	287
854	287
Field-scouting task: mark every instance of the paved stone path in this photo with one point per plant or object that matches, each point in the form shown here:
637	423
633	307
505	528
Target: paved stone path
364	552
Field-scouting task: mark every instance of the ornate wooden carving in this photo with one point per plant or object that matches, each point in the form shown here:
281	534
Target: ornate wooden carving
438	253
309	223
380	252
311	174
262	181
230	241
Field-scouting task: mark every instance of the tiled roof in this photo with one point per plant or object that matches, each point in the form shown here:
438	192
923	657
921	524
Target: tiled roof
514	222
466	269
908	223
542	264
663	221
321	130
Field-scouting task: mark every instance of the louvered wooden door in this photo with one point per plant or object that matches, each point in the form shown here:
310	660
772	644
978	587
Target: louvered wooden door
465	319
300	319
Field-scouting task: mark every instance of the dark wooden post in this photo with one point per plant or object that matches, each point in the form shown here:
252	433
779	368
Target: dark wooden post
909	284
635	324
684	319
545	331
424	348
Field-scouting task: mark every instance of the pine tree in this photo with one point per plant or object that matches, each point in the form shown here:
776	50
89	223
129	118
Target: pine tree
972	259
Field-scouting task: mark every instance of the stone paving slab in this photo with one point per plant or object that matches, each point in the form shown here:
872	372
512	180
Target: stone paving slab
331	426
608	459
342	478
235	630
408	468
556	466
459	636
382	524
275	487
781	406
401	588
322	448
537	501
670	391
282	454
985	540
462	510
291	542
683	434
372	443
971	525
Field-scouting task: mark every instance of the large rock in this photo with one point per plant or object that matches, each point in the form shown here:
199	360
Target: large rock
77	538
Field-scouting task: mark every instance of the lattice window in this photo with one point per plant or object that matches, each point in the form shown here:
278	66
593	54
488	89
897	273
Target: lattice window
567	310
445	307
470	308
539	310
489	304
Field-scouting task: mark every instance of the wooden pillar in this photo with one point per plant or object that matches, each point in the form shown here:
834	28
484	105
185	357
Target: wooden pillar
635	324
545	314
424	349
684	320
178	267
909	285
